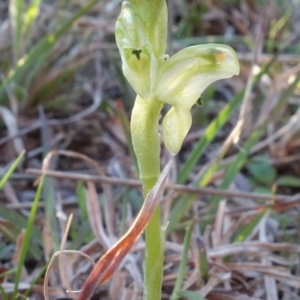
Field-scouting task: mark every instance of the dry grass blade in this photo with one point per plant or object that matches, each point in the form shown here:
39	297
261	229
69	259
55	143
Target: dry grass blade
270	283
278	273
61	268
12	126
62	246
18	250
94	215
229	295
212	282
252	247
108	207
9	287
217	236
112	258
46	289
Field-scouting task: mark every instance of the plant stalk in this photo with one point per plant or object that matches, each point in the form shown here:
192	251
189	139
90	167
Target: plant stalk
145	139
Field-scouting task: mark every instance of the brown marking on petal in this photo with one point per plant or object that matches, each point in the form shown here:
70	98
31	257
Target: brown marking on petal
219	55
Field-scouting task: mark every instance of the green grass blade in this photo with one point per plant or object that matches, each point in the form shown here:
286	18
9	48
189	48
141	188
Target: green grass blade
203	260
50	212
30	16
49	193
183	262
43	47
83	235
4	295
126	126
11	169
36	280
239	161
247	230
211	131
80	193
184	203
190	295
181	206
275	28
19	223
241	158
9	231
27	236
16	12
9	272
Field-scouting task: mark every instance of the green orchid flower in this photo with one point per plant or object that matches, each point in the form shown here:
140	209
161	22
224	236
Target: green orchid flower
178	81
181	81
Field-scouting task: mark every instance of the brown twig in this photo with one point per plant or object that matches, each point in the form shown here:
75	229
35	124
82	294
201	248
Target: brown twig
176	187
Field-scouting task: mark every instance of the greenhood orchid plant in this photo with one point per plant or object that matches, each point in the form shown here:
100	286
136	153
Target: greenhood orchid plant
141	32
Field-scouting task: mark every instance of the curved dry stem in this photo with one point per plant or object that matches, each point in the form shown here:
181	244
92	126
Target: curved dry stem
47	274
60	262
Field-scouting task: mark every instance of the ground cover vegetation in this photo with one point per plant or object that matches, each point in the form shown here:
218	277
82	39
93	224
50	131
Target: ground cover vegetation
69	183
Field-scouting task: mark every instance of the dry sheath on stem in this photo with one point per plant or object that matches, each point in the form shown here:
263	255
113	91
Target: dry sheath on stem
110	261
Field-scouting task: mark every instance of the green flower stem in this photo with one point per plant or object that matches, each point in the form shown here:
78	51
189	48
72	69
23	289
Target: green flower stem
145	139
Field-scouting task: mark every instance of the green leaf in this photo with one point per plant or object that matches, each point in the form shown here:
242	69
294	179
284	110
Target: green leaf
290	181
262	189
261	169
